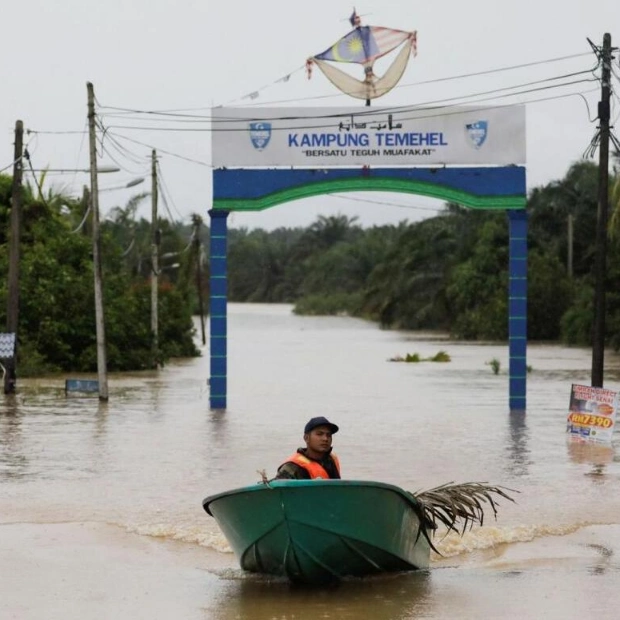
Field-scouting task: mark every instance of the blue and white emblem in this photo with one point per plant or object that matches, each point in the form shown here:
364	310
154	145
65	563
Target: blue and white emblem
260	134
477	133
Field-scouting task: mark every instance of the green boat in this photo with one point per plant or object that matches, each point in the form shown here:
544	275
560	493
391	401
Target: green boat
318	531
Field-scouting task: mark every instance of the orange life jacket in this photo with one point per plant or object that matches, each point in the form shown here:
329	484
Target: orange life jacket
315	469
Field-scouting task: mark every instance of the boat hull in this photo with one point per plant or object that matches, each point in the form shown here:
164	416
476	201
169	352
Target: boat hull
315	531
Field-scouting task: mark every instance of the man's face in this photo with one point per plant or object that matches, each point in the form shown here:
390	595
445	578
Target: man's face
319	439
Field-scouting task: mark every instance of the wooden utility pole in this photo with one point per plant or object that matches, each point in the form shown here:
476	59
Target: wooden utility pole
12	314
598	327
155	239
102	364
197	221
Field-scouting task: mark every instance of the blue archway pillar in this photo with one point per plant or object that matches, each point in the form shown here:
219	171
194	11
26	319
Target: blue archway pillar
517	310
218	299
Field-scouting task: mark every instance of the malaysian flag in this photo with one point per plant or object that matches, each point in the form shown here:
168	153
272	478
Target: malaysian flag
387	39
365	44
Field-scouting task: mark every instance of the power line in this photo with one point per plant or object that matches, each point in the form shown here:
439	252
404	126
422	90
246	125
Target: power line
400	109
79	151
361	113
164	190
83	220
26	147
10	165
255	93
387	204
208	165
430	106
109	154
125	169
444	79
424	82
134	158
129	154
34	176
58	133
422	106
114	135
375	110
150	146
165	201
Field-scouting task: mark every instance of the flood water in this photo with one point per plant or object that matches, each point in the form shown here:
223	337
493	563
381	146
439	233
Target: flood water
101	513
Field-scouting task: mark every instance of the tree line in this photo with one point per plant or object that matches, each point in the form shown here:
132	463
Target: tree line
448	272
56	330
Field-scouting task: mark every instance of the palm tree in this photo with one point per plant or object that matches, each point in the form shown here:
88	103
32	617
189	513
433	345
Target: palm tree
133	237
326	232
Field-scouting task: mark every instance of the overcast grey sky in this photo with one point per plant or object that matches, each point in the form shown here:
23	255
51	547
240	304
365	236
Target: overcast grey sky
190	54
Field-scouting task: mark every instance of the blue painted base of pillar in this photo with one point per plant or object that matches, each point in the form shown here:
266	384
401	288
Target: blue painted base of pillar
218	297
517	311
217	392
517	395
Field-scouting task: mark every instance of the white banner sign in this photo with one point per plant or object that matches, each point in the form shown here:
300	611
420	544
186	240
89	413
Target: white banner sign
326	137
592	413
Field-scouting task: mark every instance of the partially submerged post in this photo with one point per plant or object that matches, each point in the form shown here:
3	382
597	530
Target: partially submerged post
12	314
196	224
600	270
102	364
155	239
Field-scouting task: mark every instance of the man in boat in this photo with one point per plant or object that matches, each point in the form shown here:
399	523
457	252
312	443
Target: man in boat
316	460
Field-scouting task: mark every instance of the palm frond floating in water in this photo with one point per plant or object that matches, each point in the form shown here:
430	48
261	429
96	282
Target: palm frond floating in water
460	504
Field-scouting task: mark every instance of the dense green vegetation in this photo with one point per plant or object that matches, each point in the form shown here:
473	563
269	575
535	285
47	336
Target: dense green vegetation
448	272
56	318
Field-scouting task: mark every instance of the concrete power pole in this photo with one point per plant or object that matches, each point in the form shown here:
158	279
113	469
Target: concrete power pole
155	239
598	327
102	364
12	315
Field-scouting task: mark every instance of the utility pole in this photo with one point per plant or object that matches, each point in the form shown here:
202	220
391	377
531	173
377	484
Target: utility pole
155	239
197	221
598	327
102	364
12	315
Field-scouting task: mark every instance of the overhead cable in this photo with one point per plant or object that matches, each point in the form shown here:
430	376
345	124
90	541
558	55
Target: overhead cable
384	203
423	82
430	106
157	148
363	112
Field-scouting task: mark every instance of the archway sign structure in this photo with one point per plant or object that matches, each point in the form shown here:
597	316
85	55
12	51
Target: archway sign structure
474	156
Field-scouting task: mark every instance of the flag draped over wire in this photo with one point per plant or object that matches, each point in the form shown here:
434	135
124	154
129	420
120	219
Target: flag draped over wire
364	45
